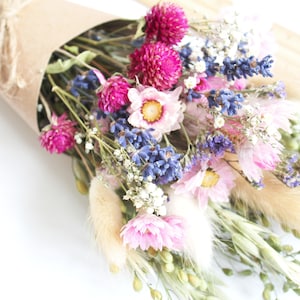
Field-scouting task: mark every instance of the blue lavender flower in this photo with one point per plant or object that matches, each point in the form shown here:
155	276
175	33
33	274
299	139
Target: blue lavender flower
126	135
227	99
163	165
242	47
280	90
211	66
246	67
288	171
265	65
238	68
88	81
192	95
184	54
217	144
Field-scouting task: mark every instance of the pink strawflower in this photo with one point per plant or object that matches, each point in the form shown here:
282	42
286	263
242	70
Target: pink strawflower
239	84
206	179
149	230
166	22
59	135
113	94
178	227
150	108
156	65
257	157
261	148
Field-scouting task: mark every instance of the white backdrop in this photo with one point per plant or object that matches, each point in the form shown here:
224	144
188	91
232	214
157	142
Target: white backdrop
47	250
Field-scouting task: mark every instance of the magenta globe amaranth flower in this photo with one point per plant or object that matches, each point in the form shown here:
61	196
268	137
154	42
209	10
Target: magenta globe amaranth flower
113	94
156	65
58	136
166	22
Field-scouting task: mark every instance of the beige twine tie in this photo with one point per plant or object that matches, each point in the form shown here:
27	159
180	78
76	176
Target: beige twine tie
9	78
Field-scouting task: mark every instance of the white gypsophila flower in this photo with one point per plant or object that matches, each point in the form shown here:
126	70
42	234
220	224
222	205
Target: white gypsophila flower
219	122
89	146
148	197
39	107
220	58
200	66
78	137
190	82
94	130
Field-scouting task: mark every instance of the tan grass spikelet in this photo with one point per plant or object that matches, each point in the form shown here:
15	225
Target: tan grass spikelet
275	199
106	217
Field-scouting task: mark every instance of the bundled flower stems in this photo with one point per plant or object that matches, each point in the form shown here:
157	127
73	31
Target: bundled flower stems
187	154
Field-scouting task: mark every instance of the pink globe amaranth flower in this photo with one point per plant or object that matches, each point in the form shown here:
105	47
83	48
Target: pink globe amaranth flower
58	137
150	108
166	22
113	94
147	230
156	65
207	179
202	84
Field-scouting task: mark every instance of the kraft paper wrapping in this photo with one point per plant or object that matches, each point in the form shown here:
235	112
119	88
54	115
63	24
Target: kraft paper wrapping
43	26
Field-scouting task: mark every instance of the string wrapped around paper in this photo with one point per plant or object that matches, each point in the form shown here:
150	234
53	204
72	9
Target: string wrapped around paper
30	32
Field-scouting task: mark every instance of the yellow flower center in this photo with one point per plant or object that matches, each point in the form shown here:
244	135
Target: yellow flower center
152	111
210	179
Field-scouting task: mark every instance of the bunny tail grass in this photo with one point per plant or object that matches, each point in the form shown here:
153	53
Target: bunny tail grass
275	200
106	217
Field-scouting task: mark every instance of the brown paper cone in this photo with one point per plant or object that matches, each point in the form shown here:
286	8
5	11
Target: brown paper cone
42	27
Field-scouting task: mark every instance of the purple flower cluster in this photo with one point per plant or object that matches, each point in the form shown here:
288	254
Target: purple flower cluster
288	171
217	145
80	83
161	164
246	67
227	99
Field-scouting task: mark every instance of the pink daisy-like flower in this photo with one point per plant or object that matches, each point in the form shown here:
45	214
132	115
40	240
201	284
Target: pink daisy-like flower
59	135
166	22
207	179
156	65
113	94
149	230
150	108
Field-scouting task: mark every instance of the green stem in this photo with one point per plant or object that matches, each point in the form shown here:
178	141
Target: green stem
101	55
104	41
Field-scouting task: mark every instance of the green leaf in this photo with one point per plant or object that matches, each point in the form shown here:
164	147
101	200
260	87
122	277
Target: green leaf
139	30
72	49
61	66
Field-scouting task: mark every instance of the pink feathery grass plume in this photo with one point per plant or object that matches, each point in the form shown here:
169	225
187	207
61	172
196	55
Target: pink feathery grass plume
113	94
150	108
166	22
155	64
58	136
148	230
206	179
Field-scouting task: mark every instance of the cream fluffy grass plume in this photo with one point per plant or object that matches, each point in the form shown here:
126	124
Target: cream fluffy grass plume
182	156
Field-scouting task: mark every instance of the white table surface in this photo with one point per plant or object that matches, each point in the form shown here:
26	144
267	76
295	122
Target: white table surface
46	246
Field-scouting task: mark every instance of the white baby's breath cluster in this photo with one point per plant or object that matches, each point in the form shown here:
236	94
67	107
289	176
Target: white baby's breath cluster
149	198
258	126
145	195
